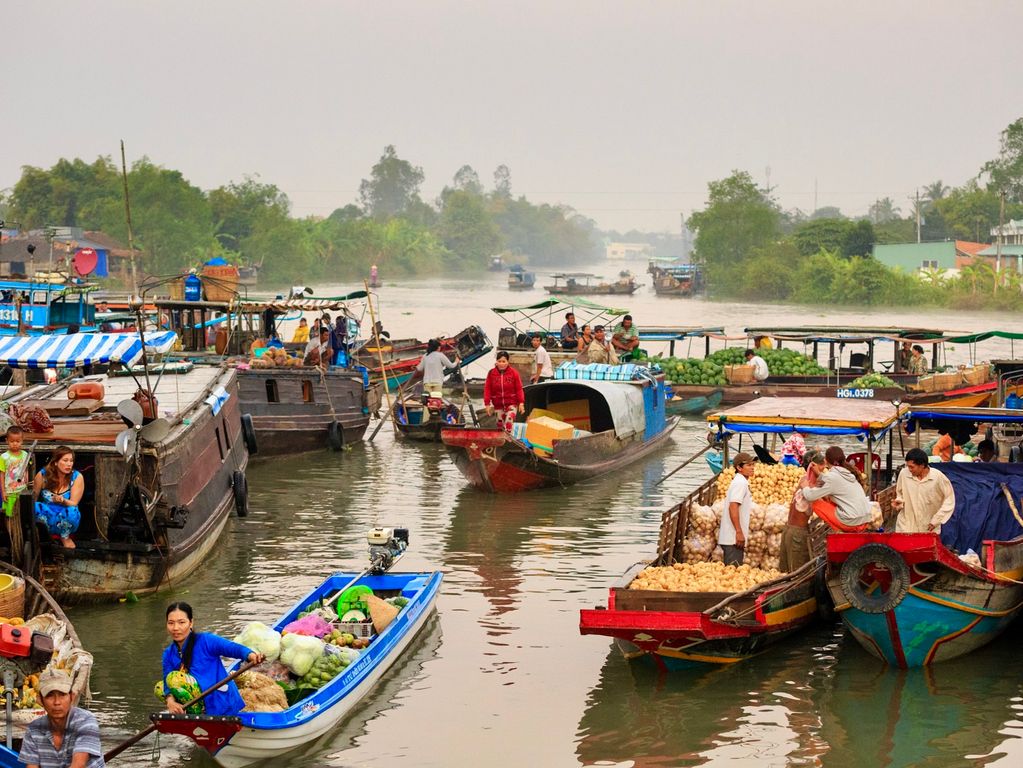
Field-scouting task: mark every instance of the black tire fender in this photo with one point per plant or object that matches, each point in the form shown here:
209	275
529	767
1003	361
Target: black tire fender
249	434
336	436
240	488
866	597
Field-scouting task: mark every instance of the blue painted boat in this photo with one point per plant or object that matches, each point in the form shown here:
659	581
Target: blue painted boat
910	598
44	307
257	736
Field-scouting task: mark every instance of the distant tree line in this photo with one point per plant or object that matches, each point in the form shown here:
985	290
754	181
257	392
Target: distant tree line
752	249
176	225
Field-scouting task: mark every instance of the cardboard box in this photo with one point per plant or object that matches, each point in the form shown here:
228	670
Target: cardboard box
574	412
538	413
543	431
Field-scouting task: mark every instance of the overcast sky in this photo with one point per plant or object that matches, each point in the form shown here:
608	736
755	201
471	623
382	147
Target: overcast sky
622	110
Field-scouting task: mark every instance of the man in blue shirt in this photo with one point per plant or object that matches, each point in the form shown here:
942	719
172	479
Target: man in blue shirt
66	737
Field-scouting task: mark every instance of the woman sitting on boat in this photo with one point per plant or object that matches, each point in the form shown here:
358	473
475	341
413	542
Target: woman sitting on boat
842	486
301	333
57	489
198	654
502	392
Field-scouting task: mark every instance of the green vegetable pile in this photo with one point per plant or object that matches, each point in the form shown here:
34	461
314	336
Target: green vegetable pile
872	381
324	670
711	371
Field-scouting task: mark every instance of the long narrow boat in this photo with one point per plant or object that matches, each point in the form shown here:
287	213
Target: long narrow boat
681	630
423	421
622	421
403	356
909	598
256	736
679	406
137	532
43	614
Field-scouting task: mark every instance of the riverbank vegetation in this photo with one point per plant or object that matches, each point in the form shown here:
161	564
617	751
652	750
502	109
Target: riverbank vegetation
754	250
176	225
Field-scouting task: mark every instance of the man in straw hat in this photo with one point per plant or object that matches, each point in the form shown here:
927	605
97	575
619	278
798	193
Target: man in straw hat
66	736
738	505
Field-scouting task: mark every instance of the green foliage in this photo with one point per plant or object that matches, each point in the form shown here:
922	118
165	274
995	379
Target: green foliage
393	185
821	235
859	239
466	228
1005	173
738	218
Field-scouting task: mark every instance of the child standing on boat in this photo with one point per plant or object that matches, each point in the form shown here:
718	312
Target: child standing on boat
14	465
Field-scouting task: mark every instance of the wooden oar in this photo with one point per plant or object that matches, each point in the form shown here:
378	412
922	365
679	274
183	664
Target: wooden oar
686	463
143	733
465	394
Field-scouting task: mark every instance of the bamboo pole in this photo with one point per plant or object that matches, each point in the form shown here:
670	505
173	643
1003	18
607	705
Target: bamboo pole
380	355
127	214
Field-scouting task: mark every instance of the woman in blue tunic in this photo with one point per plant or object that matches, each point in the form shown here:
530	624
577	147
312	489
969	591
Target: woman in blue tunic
199	654
57	489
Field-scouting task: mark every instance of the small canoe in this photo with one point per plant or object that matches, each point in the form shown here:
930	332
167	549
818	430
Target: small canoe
686	630
679	406
423	422
42	614
256	736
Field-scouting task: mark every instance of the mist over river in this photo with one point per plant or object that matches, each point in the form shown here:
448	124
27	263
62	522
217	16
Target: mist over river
501	676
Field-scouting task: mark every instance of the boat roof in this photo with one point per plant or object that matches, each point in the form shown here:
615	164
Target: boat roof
676	332
79	349
556	275
812	415
542	314
624	400
45	285
847	334
571	302
335	303
950	413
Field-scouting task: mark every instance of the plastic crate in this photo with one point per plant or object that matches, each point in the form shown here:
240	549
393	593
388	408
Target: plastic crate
363	629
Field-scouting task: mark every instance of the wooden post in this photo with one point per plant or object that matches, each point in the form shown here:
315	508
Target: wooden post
127	215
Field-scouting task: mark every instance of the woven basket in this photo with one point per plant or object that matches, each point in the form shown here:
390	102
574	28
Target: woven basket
222	284
978	374
926	384
739	374
12	601
943	381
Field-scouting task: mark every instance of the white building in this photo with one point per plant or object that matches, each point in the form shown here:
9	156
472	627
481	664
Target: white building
627	251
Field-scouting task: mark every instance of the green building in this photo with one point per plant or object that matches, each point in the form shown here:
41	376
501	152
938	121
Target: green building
910	257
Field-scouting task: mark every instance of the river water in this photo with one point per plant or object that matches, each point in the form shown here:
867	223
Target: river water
501	676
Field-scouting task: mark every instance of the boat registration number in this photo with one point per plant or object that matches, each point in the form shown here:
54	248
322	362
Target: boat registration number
855	393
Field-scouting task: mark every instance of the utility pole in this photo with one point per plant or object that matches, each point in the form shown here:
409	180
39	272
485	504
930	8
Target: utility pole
127	214
917	206
1001	227
814	196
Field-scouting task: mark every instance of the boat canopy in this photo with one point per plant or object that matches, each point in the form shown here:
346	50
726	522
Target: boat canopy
679	332
849	334
612	405
78	349
541	315
973	338
810	415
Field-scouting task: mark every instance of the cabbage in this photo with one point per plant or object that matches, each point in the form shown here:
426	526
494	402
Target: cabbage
262	639
298	652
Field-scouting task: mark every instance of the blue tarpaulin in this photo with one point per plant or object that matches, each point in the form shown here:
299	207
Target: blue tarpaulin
982	511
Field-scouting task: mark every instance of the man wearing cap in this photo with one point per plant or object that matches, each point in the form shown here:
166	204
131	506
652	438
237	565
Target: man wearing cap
66	737
738	505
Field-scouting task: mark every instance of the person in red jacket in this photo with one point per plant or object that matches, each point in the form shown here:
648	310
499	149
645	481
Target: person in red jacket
502	392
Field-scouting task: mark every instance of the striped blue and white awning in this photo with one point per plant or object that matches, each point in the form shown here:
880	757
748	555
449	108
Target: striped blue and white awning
78	349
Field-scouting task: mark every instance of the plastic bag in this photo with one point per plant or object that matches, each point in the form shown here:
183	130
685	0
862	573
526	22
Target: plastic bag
313	625
298	652
262	639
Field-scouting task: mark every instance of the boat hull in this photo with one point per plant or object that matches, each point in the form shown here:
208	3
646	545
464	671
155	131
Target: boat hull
949	608
694	405
292	409
493	461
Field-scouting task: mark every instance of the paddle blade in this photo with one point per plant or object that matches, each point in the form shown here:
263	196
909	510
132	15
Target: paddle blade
131	412
125	443
155	431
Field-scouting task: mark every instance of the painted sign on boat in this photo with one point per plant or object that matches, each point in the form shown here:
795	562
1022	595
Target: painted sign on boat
864	394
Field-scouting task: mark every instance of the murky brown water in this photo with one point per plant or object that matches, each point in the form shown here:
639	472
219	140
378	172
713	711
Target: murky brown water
502	676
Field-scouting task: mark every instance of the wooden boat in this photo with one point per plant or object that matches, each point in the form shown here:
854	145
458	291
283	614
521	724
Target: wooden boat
579	283
403	356
908	598
623	421
189	479
288	409
423	421
682	630
45	615
677	280
520	280
678	406
45	306
257	736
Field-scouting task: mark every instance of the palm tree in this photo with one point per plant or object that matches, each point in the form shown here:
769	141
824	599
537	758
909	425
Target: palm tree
882	211
934	191
970	273
935	277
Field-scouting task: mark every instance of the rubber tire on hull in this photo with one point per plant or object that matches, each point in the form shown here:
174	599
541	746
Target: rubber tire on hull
878	602
249	434
240	487
335	436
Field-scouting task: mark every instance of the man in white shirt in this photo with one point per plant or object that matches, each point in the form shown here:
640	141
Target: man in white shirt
738	505
760	371
544	370
924	497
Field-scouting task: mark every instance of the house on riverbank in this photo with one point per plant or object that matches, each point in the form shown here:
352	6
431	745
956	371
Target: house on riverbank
113	259
947	255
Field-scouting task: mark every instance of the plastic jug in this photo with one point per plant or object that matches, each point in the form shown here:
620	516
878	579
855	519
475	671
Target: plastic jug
1014	401
193	288
86	390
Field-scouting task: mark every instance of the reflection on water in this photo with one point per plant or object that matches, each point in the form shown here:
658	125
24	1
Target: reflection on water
503	677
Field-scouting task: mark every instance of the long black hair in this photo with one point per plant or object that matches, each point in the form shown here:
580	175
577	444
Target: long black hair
189	646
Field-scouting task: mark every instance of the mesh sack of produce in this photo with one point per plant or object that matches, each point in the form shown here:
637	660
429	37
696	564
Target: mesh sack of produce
698	549
876	515
775	518
702	532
